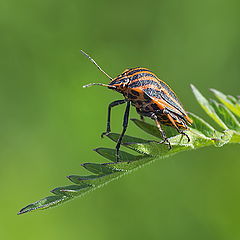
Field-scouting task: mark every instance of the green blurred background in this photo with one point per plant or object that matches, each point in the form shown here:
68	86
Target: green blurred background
49	123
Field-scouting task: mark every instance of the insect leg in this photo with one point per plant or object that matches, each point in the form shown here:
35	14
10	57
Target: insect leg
125	124
113	104
140	113
179	130
183	133
165	139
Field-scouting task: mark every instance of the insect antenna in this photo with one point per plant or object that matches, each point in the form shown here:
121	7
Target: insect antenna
85	54
99	84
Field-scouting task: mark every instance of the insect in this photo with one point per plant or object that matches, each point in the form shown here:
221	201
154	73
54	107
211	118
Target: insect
150	96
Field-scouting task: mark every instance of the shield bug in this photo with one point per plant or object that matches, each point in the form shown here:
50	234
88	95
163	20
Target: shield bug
150	96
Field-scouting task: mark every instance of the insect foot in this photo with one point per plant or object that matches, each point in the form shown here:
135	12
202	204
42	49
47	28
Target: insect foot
163	141
117	157
105	134
184	134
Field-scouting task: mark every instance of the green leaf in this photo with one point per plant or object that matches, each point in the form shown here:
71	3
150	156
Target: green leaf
232	99
110	154
44	203
225	138
153	130
126	139
230	102
96	180
71	190
207	107
226	116
201	134
202	127
235	138
98	168
90	179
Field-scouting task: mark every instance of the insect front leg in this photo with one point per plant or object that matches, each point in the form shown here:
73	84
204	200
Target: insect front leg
165	139
113	104
125	124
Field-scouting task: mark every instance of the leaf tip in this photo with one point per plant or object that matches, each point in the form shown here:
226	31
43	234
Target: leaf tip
214	91
194	89
192	86
96	149
25	210
53	190
20	212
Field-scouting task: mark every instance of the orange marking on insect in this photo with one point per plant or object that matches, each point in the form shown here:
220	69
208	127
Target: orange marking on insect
151	97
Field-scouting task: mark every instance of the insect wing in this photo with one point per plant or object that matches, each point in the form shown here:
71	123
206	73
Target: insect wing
164	100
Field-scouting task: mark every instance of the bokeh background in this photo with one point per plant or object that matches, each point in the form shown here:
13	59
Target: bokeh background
49	123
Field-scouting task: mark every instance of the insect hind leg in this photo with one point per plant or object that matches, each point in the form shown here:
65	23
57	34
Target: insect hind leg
164	137
184	134
177	128
142	118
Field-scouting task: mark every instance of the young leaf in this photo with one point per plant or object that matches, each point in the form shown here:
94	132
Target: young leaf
230	102
207	107
202	127
226	116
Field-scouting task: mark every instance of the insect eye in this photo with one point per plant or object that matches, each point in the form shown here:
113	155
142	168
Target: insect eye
125	81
